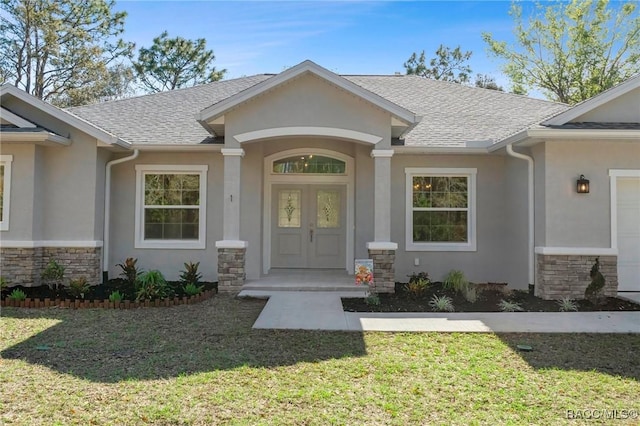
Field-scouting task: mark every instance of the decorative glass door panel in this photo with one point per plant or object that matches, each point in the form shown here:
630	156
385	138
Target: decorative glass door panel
308	226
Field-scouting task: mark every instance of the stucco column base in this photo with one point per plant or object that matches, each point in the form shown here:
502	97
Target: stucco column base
231	272
559	276
384	270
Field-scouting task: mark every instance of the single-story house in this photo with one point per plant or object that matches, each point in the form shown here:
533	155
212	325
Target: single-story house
310	169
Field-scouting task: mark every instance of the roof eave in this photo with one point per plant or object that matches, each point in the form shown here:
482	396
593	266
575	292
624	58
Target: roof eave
39	138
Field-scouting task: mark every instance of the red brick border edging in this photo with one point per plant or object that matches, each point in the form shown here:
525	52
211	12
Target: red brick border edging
106	304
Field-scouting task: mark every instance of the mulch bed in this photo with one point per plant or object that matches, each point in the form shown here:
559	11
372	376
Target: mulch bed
487	301
98	297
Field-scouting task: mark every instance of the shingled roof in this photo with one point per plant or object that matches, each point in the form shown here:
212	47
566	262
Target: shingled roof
453	114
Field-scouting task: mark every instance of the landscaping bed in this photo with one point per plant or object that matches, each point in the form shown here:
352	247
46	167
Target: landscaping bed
135	288
98	297
488	300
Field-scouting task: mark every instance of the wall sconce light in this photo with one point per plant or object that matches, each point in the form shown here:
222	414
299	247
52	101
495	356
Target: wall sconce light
583	185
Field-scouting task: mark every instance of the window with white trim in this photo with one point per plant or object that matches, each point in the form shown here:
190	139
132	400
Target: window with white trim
171	206
440	209
5	190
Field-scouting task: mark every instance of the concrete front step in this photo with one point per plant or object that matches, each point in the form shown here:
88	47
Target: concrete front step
267	293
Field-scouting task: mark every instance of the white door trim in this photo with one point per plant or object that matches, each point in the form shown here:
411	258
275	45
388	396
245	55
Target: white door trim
271	178
614	174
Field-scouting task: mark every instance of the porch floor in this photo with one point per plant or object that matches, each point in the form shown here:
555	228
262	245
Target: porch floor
337	280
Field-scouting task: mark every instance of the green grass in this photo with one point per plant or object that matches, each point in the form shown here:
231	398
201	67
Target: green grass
202	364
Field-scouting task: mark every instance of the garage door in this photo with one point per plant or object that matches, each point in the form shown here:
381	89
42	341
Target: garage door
628	203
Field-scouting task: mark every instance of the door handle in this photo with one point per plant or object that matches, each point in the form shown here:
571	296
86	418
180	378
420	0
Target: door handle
310	235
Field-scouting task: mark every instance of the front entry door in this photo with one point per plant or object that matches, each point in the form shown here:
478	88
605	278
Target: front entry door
308	226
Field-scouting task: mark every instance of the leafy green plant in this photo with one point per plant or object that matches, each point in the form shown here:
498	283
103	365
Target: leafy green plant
372	299
566	304
78	287
417	276
593	292
191	289
116	297
53	274
441	304
190	274
418	287
507	306
3	285
456	281
130	271
470	293
17	294
152	285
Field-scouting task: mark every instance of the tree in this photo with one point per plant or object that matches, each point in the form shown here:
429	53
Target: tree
171	63
485	81
448	65
571	51
60	50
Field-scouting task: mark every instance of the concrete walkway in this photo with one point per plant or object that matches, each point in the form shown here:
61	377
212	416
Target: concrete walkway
317	310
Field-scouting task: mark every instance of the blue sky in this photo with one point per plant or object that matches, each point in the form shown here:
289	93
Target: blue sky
355	37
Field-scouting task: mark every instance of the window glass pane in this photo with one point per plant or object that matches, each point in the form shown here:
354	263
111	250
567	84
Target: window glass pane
289	209
309	164
440	192
172	190
171	224
440	226
328	205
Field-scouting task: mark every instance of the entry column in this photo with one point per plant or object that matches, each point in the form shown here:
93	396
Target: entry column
231	250
382	250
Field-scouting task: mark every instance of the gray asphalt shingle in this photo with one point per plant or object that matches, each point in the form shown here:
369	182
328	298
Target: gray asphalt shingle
453	114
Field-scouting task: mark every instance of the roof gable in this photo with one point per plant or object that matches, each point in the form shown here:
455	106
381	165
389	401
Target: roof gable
215	111
609	106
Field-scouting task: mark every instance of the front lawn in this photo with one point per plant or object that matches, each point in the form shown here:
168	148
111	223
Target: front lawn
202	364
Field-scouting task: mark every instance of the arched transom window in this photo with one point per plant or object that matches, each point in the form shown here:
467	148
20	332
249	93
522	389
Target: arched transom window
311	163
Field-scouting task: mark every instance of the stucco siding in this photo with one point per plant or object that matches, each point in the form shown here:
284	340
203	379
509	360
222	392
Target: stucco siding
169	261
517	220
582	220
23	212
496	258
308	101
69	184
538	153
624	109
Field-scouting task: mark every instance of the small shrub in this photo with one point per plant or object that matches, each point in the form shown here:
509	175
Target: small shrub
470	293
456	281
441	304
190	274
372	299
152	285
17	294
191	289
3	285
53	274
567	304
506	306
115	297
593	292
417	276
130	271
417	287
78	288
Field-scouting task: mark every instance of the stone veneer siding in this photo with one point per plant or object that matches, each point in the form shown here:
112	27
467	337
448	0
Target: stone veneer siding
384	270
560	276
231	274
23	266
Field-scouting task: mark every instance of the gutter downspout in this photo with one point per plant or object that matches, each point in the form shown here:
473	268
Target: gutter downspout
107	209
531	243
